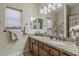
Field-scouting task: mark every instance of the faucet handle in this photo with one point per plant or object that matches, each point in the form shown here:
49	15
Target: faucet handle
51	37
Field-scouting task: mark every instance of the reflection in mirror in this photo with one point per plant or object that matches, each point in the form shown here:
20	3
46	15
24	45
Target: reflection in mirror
49	25
33	23
40	24
36	23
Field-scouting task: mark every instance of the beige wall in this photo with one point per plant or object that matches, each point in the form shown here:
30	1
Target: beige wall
8	47
60	18
44	17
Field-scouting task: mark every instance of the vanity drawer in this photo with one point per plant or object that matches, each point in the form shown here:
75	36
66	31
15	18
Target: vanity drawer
33	41
40	45
36	43
54	52
42	52
64	54
47	48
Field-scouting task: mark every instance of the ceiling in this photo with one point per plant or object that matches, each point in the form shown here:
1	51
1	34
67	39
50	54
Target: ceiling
71	5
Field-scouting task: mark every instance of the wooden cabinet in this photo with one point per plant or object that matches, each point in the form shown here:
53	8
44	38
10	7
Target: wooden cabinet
40	45
35	47
40	49
42	52
35	50
30	44
46	48
64	54
54	52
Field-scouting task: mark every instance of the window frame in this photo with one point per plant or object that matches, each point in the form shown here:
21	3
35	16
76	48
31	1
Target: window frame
20	20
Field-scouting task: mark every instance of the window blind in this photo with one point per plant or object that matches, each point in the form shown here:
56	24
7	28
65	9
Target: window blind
12	18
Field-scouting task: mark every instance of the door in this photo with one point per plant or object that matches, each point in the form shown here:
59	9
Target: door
35	50
30	45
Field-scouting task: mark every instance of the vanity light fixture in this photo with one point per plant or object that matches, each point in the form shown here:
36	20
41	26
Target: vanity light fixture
49	7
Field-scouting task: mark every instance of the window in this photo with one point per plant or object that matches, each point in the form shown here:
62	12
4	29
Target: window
12	18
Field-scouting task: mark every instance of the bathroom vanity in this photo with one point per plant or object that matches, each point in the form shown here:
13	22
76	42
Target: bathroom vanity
44	46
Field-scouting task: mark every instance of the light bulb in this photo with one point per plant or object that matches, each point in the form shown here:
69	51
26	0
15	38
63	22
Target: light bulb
49	5
45	8
59	5
45	12
41	11
49	10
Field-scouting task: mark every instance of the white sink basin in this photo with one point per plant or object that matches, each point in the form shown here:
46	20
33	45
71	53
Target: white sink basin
57	42
61	43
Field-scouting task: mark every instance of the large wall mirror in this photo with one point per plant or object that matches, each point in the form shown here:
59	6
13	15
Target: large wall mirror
36	23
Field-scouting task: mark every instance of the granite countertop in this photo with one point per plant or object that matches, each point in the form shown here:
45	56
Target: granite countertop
65	46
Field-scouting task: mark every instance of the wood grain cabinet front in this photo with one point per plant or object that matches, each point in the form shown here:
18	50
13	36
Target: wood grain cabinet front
41	49
64	54
46	48
35	50
30	44
40	45
36	43
42	52
54	52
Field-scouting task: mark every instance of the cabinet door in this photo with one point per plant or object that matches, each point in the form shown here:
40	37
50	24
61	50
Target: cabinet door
30	44
43	52
54	52
35	50
47	48
63	54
